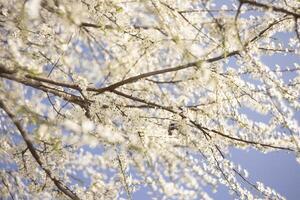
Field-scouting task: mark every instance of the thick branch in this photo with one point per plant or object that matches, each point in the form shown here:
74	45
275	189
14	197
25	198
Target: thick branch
157	72
133	79
37	82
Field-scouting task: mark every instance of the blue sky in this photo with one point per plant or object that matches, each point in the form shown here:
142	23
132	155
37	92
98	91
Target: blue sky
279	169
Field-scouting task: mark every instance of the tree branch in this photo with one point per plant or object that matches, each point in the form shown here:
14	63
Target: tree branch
157	72
38	83
63	188
274	8
205	130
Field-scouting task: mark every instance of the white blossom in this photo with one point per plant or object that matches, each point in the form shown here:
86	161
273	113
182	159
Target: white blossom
99	99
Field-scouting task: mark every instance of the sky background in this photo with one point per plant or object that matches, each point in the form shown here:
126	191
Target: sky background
278	170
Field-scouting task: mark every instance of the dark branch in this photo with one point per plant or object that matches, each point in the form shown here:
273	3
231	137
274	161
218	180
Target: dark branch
62	187
157	72
274	8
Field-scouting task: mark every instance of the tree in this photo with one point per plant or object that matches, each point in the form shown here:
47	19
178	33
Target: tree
101	98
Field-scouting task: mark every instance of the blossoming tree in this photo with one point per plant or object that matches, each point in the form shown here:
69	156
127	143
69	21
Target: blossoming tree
102	98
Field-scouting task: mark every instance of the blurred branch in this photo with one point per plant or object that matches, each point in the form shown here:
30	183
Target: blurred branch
62	187
273	8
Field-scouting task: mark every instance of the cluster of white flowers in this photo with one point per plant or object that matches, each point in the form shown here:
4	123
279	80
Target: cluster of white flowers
100	99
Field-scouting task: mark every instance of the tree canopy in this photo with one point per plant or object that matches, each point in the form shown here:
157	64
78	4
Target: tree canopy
100	99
